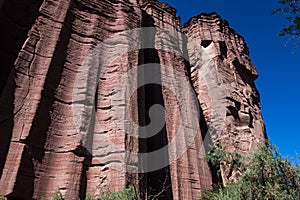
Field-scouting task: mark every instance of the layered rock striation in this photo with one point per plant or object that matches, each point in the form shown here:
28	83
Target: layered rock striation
100	95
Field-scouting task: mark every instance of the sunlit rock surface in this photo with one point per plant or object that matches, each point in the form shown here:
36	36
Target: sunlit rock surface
79	86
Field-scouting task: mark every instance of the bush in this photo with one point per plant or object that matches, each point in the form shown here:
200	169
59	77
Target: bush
58	196
266	176
127	194
230	192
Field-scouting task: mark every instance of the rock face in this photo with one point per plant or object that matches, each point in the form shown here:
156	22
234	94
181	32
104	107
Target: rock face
81	112
243	128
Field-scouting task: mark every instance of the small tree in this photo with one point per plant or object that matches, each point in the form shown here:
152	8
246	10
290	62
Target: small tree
291	9
267	176
228	165
271	176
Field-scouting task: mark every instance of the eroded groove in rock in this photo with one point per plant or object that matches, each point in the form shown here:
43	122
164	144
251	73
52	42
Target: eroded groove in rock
152	182
187	177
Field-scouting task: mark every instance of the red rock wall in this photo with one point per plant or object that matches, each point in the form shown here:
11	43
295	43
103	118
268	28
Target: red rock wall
189	174
68	125
242	128
43	130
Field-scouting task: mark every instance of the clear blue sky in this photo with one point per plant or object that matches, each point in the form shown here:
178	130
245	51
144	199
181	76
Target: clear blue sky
278	66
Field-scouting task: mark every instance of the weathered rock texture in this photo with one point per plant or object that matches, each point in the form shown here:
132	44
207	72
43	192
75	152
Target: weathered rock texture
46	145
243	127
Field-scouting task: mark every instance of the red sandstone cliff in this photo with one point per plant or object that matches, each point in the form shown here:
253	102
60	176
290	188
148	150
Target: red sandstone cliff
81	83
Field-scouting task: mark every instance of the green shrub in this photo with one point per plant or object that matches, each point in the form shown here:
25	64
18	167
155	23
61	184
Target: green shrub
266	176
225	162
230	192
126	194
89	197
58	196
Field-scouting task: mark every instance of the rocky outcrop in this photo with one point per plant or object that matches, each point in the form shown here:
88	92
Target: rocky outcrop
105	94
221	47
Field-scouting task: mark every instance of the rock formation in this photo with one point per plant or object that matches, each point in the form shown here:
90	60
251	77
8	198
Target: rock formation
82	98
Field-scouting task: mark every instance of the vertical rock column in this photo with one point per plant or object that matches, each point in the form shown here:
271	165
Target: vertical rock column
32	88
114	135
216	43
48	150
189	172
